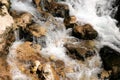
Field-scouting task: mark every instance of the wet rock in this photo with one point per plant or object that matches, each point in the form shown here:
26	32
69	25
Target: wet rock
60	68
57	9
6	20
6	25
28	52
5	3
81	50
35	66
70	21
111	61
52	58
47	72
6	39
105	74
84	32
36	30
23	20
4	69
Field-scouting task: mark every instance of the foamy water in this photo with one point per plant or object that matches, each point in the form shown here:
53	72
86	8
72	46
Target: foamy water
95	12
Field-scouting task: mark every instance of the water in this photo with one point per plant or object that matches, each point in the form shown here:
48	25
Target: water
95	12
98	14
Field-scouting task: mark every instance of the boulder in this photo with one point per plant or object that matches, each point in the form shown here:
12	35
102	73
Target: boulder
81	50
5	3
28	51
84	32
56	9
111	61
60	68
70	21
6	39
23	20
36	30
6	25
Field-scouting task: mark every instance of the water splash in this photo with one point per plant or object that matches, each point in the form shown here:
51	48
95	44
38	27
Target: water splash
17	35
95	12
98	14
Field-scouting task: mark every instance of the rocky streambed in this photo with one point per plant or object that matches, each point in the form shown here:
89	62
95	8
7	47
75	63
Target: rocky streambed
43	40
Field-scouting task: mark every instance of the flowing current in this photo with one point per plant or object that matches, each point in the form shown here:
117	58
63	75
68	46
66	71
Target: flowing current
95	12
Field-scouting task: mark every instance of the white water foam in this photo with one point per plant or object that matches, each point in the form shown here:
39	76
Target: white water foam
97	13
86	11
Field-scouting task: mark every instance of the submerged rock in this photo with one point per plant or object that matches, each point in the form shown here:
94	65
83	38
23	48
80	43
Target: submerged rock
111	61
84	32
81	50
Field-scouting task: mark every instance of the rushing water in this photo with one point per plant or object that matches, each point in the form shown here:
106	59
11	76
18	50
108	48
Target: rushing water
95	12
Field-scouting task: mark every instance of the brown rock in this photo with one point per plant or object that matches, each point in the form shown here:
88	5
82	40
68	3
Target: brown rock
60	66
57	9
4	69
81	50
23	20
6	3
27	51
111	61
70	21
6	25
84	32
36	30
49	73
105	74
37	3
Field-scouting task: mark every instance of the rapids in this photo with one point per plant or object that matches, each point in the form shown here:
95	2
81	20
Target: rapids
95	12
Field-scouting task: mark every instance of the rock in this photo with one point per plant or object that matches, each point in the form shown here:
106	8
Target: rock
84	32
48	73
36	30
105	75
81	50
6	20
6	25
23	20
35	65
60	68
4	69
111	61
70	21
37	3
53	58
27	52
57	9
6	3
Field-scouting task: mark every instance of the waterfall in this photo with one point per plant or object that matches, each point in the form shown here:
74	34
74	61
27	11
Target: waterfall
95	12
98	13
